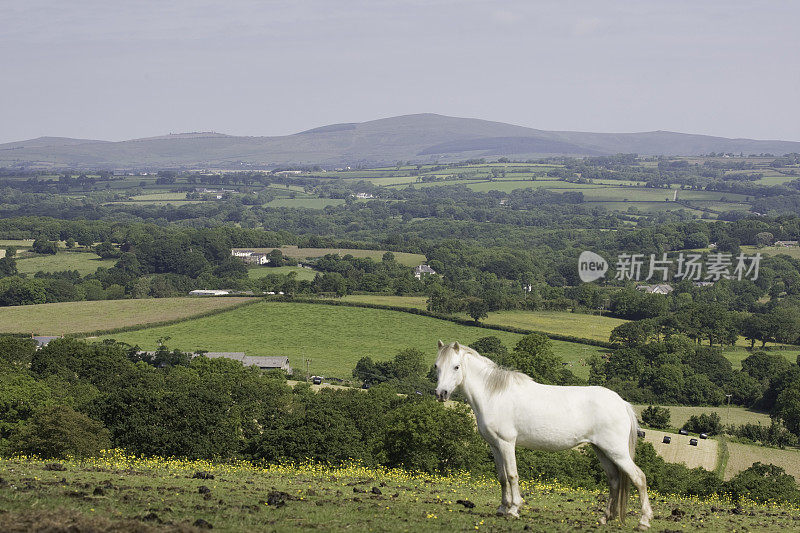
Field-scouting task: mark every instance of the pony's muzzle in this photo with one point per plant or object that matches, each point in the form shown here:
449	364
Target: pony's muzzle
442	395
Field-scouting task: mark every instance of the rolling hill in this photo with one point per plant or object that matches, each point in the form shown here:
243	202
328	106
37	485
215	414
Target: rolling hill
420	137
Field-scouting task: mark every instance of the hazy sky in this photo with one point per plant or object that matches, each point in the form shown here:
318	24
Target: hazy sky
98	69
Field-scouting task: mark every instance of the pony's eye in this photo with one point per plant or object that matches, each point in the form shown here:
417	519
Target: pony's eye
458	366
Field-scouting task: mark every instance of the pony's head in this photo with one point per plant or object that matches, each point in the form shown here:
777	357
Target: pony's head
449	368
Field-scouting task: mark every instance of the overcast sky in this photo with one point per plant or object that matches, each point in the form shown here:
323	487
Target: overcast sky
96	69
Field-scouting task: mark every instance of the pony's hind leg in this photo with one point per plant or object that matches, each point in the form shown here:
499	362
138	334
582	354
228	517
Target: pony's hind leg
612	473
639	480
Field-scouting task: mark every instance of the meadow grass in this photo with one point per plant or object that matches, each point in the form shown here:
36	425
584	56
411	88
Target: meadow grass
125	494
302	273
412	302
83	262
79	317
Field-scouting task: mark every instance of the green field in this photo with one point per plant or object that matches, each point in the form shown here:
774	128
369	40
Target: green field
310	203
791	251
413	302
164	196
79	317
83	262
302	273
742	457
124	495
575	324
730	415
306	253
334	338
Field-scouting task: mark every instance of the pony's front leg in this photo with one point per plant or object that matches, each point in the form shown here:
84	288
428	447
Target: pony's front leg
499	463
512	497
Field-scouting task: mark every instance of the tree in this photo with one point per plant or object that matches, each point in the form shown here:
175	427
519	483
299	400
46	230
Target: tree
787	407
656	416
8	267
59	431
275	257
763	483
709	423
106	250
491	347
477	309
43	246
533	355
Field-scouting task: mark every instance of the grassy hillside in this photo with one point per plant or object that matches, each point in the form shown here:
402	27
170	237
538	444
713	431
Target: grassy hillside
730	415
124	494
333	337
78	317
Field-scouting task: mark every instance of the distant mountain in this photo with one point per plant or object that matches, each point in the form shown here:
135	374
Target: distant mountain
423	137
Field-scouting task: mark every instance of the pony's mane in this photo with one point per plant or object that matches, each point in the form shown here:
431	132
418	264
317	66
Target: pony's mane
500	378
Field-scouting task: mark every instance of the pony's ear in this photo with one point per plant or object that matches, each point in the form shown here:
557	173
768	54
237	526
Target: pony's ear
456	346
441	344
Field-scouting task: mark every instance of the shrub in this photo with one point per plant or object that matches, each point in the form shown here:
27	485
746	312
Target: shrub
60	431
763	483
656	417
704	423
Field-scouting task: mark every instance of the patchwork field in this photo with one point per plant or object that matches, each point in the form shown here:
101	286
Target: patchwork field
306	253
334	338
77	317
152	495
83	262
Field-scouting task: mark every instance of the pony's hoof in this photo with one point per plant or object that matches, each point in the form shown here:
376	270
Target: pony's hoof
513	513
643	526
602	520
501	511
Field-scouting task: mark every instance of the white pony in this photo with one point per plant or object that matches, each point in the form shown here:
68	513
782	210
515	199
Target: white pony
512	409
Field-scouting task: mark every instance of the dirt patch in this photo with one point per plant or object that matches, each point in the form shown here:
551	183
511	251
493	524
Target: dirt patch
66	521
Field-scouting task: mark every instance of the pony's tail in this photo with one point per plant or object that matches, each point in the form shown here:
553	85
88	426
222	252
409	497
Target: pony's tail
624	480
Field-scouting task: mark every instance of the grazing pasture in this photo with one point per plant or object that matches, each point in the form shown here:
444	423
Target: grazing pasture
309	202
333	337
734	414
595	327
742	457
310	253
83	262
125	495
79	317
302	273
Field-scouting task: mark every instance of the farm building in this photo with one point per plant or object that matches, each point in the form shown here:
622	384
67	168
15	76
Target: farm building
209	292
257	259
262	362
661	288
241	253
786	244
42	341
423	270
